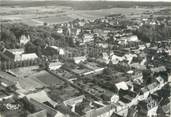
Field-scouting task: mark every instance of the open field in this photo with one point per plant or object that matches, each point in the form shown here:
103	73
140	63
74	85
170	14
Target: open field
37	14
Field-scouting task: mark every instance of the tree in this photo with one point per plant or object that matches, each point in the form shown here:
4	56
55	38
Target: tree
30	47
19	29
148	33
8	38
2	45
147	78
58	37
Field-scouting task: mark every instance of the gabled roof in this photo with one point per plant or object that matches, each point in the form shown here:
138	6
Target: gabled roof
166	108
152	86
127	92
142	105
144	90
14	51
115	115
122	85
8	77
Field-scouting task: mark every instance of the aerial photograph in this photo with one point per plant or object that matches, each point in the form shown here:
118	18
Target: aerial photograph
85	58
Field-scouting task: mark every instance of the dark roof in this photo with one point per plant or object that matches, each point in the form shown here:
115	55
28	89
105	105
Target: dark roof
125	100
127	92
142	105
8	77
115	115
166	108
137	87
133	111
155	97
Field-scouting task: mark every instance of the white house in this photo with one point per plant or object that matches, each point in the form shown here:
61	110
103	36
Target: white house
125	40
130	57
55	65
87	38
73	101
19	55
29	56
122	85
77	60
59	30
24	39
58	49
114	58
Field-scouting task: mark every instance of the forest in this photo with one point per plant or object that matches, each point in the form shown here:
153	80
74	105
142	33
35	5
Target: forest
40	37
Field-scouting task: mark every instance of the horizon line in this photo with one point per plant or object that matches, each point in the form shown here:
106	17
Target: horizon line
91	0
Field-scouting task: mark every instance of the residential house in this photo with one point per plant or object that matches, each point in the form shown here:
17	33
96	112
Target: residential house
81	23
129	39
102	33
89	108
14	54
121	85
116	115
19	55
144	93
87	38
29	56
129	57
77	60
121	108
128	97
59	30
150	106
113	57
164	108
55	65
58	50
24	39
74	101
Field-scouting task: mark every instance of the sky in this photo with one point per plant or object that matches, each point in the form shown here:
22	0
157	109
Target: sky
100	0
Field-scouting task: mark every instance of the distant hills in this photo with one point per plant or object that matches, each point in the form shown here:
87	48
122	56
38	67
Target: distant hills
97	0
82	5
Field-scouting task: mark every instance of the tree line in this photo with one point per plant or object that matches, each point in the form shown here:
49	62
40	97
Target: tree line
15	64
152	33
40	36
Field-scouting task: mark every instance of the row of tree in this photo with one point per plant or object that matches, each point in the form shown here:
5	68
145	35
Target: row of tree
151	33
11	64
